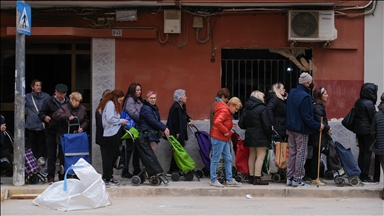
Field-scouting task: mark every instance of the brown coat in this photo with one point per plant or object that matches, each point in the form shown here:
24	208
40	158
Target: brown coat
62	115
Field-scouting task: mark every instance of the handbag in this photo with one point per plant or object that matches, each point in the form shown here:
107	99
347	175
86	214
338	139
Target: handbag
265	167
349	119
131	123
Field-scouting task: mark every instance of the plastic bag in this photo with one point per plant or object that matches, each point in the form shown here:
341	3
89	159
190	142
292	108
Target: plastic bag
272	161
72	194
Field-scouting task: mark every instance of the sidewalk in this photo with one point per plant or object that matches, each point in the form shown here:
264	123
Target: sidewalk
202	188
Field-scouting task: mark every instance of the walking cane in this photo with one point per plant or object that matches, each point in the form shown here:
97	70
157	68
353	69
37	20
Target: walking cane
318	182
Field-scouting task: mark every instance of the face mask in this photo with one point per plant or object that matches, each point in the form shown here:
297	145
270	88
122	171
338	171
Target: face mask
311	86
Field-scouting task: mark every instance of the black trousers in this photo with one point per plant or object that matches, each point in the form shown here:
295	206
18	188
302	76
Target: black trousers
109	154
364	158
54	151
39	146
131	151
311	165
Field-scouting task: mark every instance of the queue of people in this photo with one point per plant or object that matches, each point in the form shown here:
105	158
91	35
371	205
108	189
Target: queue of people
300	118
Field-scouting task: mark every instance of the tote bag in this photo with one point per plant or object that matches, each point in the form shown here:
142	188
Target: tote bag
282	153
349	119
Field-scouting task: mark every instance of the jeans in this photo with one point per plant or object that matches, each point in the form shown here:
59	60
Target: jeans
221	148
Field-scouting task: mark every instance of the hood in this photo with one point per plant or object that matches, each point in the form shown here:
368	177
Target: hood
253	103
269	96
369	91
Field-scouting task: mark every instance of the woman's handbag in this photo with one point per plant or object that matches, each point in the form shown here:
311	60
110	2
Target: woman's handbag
349	119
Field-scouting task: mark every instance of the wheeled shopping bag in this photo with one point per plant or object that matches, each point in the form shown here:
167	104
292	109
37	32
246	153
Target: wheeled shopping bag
75	146
205	146
183	161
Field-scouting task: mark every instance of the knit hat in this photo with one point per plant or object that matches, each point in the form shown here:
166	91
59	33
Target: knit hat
61	88
305	77
178	94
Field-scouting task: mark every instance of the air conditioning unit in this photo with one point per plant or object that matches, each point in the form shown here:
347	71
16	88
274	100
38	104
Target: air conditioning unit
311	26
172	21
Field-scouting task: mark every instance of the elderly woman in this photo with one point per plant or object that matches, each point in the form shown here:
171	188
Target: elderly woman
221	133
178	120
258	130
149	121
321	97
111	106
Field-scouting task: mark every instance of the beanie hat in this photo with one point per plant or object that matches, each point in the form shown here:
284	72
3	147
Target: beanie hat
61	88
178	94
305	77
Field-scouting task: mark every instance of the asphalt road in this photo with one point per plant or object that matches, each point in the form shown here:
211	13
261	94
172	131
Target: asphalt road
212	206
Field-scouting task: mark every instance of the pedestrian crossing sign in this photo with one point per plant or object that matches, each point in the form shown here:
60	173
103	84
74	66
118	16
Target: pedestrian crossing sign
23	18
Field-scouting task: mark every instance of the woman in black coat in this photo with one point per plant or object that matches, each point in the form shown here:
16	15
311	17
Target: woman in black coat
275	101
178	120
364	113
258	130
377	131
321	97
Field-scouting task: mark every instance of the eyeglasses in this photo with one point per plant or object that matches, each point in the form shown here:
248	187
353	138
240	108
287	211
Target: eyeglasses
152	98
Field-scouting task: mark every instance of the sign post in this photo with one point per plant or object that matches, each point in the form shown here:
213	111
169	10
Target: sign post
23	26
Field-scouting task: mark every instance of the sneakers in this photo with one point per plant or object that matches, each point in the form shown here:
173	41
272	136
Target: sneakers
50	181
289	182
169	174
41	161
216	184
126	174
112	183
299	184
233	183
369	181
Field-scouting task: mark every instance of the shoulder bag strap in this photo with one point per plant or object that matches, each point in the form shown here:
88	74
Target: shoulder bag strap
33	100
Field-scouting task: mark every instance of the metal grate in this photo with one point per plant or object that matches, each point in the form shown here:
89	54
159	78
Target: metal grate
243	76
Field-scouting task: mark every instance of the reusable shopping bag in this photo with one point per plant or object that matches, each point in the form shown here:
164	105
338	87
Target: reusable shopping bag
349	119
87	192
242	155
282	153
182	158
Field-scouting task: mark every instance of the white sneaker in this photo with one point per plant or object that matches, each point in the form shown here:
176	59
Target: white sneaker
41	161
233	183
216	184
112	183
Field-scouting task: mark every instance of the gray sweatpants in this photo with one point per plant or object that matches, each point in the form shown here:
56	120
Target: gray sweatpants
298	150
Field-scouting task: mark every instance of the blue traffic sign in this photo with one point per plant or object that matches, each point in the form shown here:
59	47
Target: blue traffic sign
23	18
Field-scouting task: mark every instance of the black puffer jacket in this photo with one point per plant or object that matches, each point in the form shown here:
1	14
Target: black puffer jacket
377	131
318	112
276	112
365	109
257	125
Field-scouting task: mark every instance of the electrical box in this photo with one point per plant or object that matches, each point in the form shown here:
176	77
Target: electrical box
172	21
198	22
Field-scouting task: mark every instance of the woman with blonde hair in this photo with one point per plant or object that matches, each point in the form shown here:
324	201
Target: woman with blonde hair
258	131
275	101
221	132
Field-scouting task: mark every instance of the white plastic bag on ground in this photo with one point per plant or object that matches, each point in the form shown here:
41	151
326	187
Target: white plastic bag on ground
73	194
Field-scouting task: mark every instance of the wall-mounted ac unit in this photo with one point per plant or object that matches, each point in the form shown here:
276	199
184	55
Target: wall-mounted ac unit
172	21
311	26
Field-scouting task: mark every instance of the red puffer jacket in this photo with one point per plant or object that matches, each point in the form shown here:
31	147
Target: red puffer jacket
222	122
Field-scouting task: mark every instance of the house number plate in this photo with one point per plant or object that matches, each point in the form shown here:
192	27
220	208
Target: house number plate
117	32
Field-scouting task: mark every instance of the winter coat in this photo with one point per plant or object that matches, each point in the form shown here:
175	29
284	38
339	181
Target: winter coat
365	109
276	113
178	121
318	112
149	121
50	105
377	131
62	116
299	112
133	108
257	124
32	120
100	140
2	136
222	122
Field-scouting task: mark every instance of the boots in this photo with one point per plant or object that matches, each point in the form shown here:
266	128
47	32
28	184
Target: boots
257	181
250	179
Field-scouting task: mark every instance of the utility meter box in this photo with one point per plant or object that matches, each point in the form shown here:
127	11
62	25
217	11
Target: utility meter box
172	21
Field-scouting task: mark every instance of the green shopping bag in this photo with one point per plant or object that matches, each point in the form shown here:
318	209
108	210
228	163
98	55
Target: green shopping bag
132	133
265	168
182	158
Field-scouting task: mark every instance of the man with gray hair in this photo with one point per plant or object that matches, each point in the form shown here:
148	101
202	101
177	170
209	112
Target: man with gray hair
300	123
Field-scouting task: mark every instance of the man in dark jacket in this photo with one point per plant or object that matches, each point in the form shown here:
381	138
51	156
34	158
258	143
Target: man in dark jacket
300	123
364	113
50	105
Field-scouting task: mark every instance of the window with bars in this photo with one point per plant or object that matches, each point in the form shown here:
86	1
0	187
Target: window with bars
247	70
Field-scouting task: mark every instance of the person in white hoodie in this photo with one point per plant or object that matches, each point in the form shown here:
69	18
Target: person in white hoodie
110	107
